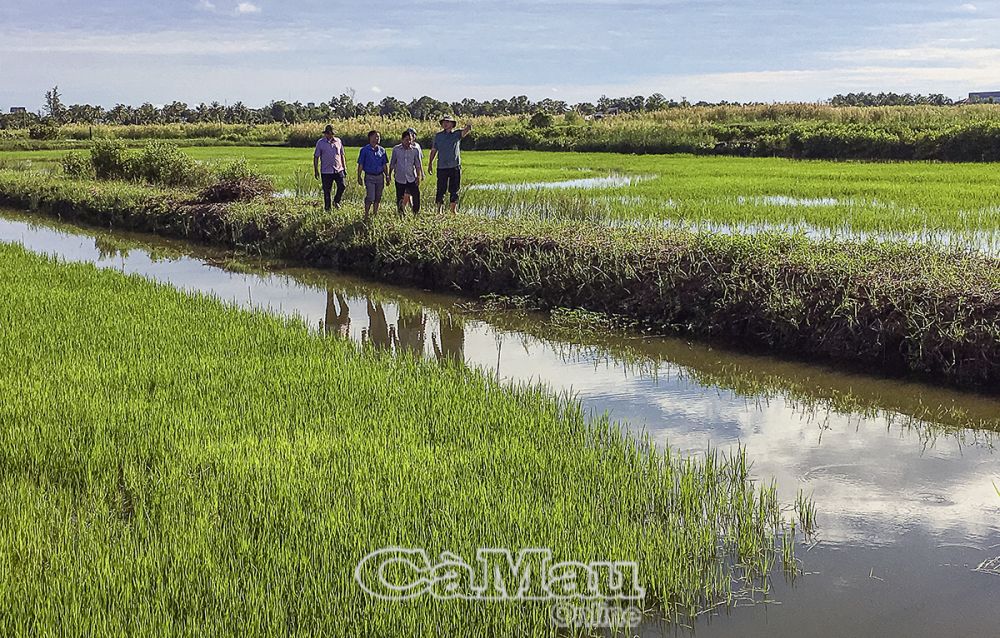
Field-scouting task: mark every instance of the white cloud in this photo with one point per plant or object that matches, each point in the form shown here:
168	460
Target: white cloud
968	7
960	56
205	5
375	89
244	8
157	43
208	41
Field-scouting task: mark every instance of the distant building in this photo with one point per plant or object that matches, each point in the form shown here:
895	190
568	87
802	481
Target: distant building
18	109
988	96
601	115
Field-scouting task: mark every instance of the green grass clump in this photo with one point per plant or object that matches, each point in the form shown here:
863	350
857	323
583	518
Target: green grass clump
157	162
173	466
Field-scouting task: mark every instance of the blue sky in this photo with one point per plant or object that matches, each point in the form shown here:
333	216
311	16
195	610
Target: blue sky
108	51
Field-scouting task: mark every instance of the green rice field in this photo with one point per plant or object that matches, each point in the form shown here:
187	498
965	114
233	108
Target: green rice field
916	200
171	465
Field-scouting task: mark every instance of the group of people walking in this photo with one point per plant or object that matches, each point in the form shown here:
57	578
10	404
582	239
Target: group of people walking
377	168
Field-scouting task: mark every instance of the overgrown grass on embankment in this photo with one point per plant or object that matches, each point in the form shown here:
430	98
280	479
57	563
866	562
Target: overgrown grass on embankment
894	307
969	133
171	466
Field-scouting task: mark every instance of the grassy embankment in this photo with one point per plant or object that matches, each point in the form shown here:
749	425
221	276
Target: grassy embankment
898	308
925	201
581	336
173	466
962	133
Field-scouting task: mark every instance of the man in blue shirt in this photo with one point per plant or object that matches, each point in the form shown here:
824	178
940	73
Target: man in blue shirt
373	172
447	146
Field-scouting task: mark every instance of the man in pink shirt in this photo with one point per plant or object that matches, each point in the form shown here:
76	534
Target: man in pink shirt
330	165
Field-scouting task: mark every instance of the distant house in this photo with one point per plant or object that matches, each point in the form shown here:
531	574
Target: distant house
18	109
601	115
988	96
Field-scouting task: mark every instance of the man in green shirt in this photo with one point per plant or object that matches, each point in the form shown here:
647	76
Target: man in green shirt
447	146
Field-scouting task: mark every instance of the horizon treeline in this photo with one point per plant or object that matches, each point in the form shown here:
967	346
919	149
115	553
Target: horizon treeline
345	106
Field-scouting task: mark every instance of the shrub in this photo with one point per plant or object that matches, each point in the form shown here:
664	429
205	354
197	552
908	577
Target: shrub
13	133
77	165
541	120
165	164
110	159
43	131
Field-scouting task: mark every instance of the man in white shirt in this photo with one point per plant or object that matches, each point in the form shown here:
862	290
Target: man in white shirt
406	162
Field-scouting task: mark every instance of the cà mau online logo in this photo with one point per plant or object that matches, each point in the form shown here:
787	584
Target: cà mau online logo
399	573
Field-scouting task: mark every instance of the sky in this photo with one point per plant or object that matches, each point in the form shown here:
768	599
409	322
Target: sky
254	51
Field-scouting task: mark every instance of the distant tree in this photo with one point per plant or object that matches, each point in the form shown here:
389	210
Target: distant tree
216	112
147	114
426	108
53	104
121	114
519	105
553	107
655	102
391	107
175	112
277	111
499	107
84	114
343	105
889	99
238	113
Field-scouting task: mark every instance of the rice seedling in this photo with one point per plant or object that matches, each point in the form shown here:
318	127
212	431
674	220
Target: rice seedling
805	511
217	471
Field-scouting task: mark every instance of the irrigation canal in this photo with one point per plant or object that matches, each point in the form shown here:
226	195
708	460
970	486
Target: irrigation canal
902	474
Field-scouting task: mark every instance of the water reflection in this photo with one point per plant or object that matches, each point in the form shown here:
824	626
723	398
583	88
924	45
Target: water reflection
410	327
376	334
338	315
611	181
451	345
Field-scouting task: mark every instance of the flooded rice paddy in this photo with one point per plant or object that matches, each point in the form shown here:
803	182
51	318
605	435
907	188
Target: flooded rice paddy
748	214
903	475
586	183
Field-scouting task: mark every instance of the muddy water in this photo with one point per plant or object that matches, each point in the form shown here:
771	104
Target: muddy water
902	474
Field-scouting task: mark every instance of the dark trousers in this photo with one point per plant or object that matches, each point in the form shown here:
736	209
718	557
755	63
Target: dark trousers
414	190
449	179
328	181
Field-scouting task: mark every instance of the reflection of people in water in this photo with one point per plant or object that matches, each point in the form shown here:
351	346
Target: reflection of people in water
337	321
410	331
377	333
452	344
